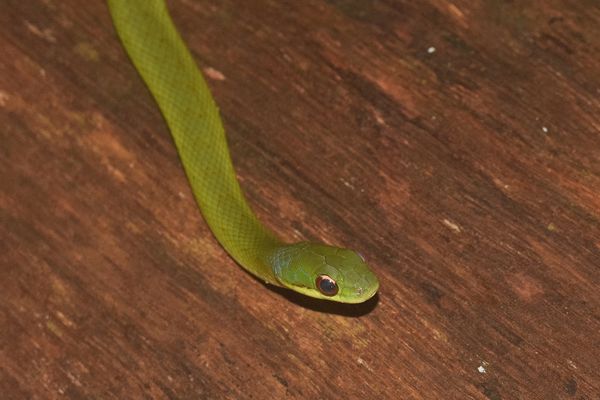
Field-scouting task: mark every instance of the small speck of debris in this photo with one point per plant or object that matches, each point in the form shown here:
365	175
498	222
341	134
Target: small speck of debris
481	369
363	363
297	233
431	50
452	225
544	129
551	227
45	34
456	11
346	183
214	74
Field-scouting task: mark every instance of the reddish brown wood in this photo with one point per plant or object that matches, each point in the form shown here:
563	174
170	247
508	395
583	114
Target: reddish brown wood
455	144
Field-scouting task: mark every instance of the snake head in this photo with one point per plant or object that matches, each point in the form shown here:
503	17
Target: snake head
324	272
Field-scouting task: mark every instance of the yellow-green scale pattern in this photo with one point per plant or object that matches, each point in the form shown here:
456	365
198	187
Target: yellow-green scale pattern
166	66
172	76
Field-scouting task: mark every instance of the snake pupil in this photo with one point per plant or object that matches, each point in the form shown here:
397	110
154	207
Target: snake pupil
326	285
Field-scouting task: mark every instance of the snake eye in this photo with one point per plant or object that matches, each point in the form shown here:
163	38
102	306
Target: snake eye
326	285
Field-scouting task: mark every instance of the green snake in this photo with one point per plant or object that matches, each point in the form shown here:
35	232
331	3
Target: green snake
168	69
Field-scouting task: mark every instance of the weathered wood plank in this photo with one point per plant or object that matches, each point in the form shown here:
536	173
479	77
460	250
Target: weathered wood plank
456	144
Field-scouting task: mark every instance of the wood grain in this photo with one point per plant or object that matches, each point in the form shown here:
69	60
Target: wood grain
455	144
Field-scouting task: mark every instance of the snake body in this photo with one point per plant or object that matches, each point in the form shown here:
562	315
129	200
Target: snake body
168	69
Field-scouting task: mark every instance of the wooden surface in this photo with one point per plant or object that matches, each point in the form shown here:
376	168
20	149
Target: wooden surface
455	144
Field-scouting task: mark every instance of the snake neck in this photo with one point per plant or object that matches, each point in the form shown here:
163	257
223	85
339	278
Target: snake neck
252	249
